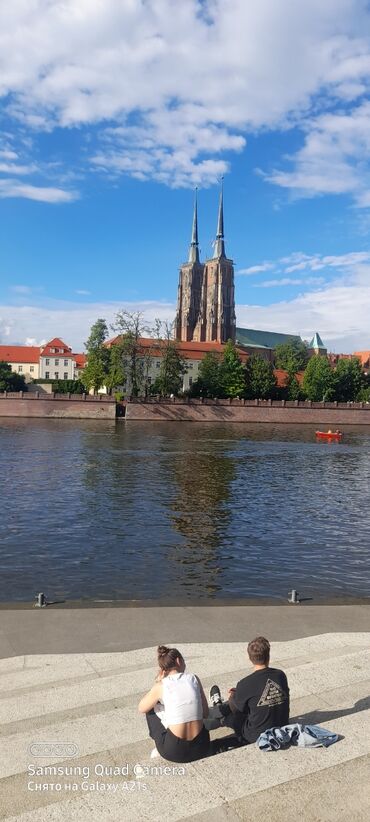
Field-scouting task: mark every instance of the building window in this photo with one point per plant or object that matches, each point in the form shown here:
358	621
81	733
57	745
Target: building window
56	362
20	369
47	362
56	375
52	351
31	369
190	381
65	377
65	363
158	365
47	375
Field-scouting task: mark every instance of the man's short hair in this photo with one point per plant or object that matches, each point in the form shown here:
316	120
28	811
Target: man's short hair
259	651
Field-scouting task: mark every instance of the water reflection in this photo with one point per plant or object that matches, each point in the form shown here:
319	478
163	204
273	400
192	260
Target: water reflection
106	510
201	513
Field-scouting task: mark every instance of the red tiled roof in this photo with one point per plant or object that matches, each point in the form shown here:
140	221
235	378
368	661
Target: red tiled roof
80	360
364	357
281	377
189	350
19	353
56	342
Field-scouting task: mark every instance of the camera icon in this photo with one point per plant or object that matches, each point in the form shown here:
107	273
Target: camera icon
48	749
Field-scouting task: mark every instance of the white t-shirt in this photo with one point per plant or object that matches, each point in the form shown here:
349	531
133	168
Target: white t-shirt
181	698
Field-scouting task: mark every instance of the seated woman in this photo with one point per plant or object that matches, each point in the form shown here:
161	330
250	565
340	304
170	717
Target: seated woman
176	725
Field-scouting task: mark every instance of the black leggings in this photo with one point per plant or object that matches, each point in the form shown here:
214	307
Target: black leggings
173	748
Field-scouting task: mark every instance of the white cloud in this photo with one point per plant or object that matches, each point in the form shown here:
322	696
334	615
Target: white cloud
82	292
21	289
284	281
180	83
339	310
256	269
299	261
14	188
70	320
333	159
12	168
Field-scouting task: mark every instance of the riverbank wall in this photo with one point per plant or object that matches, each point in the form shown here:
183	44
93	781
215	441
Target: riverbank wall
57	406
264	411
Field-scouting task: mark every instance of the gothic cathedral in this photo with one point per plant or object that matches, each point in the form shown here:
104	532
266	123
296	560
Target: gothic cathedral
206	302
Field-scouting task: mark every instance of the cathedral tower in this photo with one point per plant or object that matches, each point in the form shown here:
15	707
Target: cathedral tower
190	285
216	320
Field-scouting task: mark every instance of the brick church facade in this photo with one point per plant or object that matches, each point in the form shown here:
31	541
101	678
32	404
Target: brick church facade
206	300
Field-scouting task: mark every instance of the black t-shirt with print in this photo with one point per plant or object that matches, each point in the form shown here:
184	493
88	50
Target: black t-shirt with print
263	697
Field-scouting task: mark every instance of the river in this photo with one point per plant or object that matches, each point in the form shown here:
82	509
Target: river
118	511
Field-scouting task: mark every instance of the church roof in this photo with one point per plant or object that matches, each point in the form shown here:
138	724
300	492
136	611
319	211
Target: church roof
253	338
316	341
219	246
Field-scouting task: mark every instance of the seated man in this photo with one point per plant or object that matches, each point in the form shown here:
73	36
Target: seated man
259	701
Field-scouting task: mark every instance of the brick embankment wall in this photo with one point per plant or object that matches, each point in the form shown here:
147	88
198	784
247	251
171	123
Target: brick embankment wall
58	407
328	415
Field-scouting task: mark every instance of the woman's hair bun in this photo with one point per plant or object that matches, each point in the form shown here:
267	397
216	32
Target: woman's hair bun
162	650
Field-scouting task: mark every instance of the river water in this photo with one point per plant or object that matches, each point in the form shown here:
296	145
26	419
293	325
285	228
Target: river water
102	510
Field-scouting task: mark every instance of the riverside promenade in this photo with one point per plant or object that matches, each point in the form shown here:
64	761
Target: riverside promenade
71	678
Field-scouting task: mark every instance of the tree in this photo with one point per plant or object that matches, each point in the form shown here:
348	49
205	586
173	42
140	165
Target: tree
208	382
318	380
97	337
96	370
131	328
348	380
293	389
232	374
116	370
173	365
94	374
68	387
9	380
291	356
260	380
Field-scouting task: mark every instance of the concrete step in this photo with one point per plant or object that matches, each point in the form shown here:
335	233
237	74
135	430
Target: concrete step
91	700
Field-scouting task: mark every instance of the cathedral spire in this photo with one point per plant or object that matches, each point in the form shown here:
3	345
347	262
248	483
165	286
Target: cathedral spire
219	246
194	246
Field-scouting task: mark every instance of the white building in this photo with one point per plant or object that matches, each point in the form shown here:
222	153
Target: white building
192	352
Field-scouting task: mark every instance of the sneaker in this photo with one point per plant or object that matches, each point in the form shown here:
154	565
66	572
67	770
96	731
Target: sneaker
154	753
215	695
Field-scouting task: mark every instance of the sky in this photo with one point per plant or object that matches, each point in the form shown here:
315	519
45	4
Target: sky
113	111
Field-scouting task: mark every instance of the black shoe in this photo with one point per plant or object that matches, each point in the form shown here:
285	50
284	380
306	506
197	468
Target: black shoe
215	695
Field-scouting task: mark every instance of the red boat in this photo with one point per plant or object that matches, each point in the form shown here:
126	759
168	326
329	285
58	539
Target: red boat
329	435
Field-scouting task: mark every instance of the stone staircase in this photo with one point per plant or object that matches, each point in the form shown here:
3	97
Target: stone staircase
88	704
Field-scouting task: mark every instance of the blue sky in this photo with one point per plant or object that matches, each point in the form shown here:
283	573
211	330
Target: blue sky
111	113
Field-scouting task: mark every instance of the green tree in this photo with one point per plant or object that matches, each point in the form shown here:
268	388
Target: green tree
232	373
94	374
291	356
292	387
260	382
97	337
131	328
68	387
318	380
208	382
96	370
10	381
348	380
173	365
116	370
